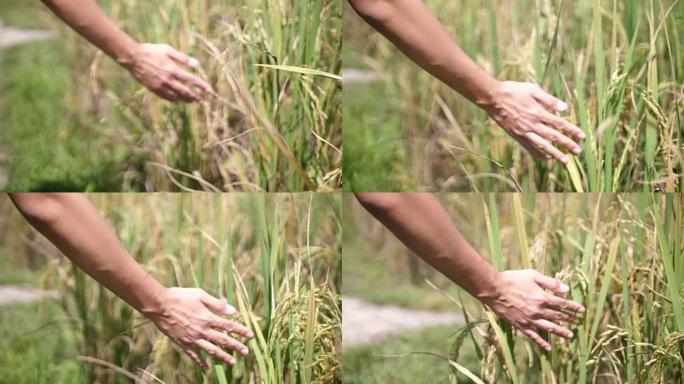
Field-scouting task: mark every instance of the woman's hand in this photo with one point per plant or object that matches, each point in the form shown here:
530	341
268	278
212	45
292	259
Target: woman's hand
520	299
522	110
188	317
156	67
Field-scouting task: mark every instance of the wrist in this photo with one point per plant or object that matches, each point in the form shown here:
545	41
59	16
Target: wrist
491	290
487	99
153	305
127	55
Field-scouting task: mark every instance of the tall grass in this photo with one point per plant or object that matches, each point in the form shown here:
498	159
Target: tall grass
622	256
275	257
274	123
617	63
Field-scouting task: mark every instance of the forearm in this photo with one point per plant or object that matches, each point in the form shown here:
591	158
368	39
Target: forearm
415	30
88	19
72	224
421	223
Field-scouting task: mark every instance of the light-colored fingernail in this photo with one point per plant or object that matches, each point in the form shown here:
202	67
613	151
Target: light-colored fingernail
582	136
582	309
564	287
570	335
577	151
230	310
193	62
561	106
565	159
244	351
250	334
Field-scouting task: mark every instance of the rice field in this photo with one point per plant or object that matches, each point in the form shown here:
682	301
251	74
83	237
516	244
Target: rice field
622	256
275	257
274	123
618	64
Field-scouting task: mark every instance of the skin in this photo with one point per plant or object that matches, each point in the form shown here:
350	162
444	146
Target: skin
517	296
523	110
192	318
156	66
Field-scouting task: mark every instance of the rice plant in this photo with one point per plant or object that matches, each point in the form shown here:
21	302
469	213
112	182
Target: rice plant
274	122
618	64
622	256
275	257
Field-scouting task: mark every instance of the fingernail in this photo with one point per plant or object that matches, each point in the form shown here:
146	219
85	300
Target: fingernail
582	136
577	151
570	335
565	159
250	334
230	310
561	106
564	287
193	62
581	309
244	351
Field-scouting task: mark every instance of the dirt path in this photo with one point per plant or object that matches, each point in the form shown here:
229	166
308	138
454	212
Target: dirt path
364	323
360	76
16	294
12	37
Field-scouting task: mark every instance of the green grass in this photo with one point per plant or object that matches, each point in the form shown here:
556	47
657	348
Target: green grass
37	346
50	144
378	364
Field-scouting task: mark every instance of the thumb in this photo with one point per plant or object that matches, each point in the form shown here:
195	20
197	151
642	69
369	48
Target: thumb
553	285
217	305
182	58
549	101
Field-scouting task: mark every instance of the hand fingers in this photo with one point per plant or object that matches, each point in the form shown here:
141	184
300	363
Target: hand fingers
558	138
547	148
167	94
231	327
554	315
182	58
559	303
536	338
194	356
227	342
549	101
215	352
217	305
185	93
189	78
553	328
562	125
547	282
524	141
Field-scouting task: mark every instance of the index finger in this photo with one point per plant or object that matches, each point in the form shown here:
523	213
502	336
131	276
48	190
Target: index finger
231	327
560	303
189	78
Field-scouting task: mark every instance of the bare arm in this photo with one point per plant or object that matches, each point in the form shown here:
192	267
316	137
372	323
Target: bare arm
153	65
419	221
519	108
186	315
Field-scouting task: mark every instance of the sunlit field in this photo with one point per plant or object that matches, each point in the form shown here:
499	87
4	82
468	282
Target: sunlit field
274	123
621	254
274	257
618	64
